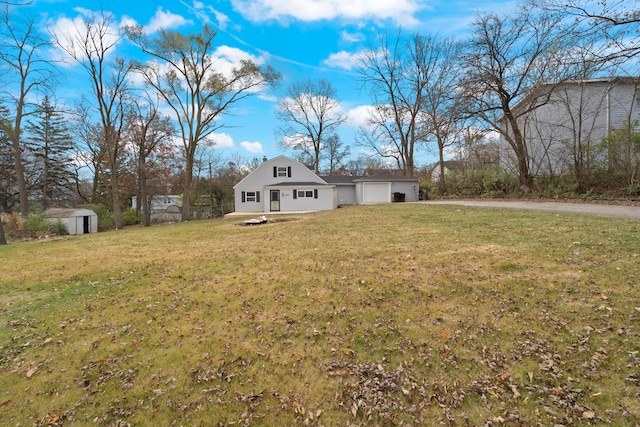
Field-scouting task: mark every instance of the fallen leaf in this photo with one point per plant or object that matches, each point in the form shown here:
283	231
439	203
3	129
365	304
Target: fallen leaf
32	370
348	351
589	415
516	394
446	335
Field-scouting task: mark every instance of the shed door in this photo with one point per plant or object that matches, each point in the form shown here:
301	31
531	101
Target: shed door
275	200
376	192
85	225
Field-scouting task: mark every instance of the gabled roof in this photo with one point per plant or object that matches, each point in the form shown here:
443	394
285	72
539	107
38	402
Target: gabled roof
279	160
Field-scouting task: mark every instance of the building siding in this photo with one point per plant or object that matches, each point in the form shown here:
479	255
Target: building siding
578	113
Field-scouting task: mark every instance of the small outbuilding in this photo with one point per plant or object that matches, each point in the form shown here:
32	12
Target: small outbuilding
76	221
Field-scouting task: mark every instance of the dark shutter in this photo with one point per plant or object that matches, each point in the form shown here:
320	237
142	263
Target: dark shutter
289	171
295	194
258	196
315	193
275	171
244	196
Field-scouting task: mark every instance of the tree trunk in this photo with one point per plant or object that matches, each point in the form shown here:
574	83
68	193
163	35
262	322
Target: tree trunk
115	198
142	176
441	183
3	240
520	149
22	182
186	189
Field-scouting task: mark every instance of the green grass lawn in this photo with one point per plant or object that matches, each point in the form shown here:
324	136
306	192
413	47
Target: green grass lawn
398	314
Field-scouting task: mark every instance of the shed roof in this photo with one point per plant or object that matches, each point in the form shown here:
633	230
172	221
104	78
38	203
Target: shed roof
67	212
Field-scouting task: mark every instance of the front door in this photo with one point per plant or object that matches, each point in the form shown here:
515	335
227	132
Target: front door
275	200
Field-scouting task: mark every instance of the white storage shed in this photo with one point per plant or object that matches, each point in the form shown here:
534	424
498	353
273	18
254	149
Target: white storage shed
77	221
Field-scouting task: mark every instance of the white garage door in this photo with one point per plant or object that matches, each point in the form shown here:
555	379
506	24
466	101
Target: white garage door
376	192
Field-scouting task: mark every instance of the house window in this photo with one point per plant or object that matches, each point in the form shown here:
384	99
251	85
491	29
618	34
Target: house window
250	196
282	171
298	194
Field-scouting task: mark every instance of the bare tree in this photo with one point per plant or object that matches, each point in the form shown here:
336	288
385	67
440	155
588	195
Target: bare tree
25	71
607	29
146	129
185	75
91	151
309	114
507	62
91	45
396	124
440	101
336	153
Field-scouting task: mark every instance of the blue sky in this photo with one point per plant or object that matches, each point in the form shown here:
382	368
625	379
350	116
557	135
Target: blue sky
298	38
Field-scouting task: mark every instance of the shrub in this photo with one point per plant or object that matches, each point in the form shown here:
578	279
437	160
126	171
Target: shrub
13	225
37	225
489	182
130	216
59	227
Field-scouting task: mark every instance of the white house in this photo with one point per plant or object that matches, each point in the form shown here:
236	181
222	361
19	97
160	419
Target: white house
286	185
283	185
76	221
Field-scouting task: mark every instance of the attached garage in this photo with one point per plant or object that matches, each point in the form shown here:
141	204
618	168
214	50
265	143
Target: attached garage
76	221
376	192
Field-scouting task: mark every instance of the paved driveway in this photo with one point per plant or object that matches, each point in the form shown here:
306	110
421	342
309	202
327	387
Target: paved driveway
578	208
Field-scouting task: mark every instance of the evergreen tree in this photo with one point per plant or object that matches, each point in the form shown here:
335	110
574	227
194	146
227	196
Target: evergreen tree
52	148
8	184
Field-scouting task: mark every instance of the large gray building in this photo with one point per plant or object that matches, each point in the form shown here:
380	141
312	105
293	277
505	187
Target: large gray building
571	121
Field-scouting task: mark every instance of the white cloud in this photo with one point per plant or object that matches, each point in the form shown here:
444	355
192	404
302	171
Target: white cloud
348	60
358	116
235	55
297	142
401	11
351	37
252	147
164	20
342	59
226	59
222	140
